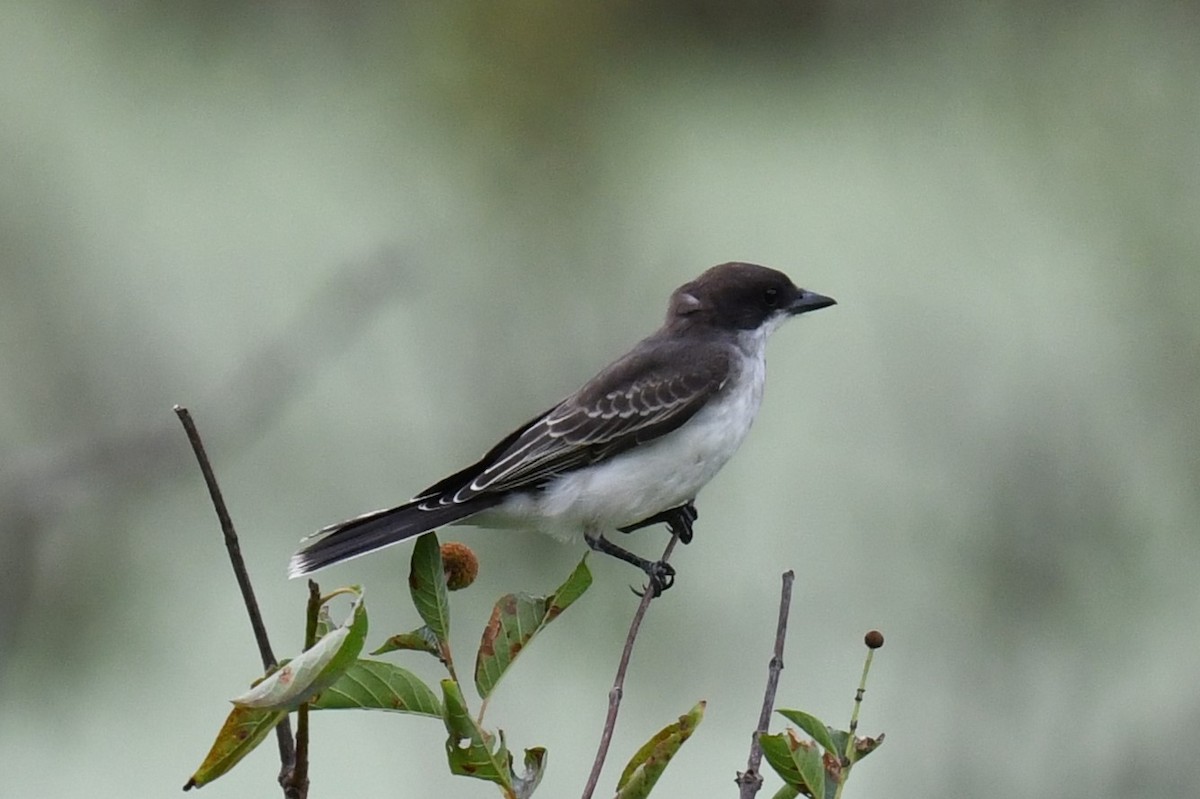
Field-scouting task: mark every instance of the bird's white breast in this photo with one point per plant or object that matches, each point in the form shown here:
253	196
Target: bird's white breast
653	477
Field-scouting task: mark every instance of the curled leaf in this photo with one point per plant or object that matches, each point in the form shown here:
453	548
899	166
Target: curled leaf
474	752
316	668
535	765
419	640
471	750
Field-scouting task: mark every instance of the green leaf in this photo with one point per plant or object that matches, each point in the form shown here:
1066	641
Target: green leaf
840	739
515	620
316	668
648	763
779	755
572	588
810	762
820	732
377	685
471	750
243	730
787	792
474	752
803	765
427	583
420	640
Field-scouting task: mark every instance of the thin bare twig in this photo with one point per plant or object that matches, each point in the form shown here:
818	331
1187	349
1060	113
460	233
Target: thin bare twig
750	781
283	731
618	688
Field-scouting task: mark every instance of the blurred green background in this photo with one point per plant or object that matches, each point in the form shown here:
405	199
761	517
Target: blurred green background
335	231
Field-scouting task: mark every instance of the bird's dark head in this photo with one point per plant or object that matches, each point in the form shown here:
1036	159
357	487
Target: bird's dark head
737	296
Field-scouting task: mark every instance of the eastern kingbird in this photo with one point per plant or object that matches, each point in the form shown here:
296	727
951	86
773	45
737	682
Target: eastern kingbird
631	448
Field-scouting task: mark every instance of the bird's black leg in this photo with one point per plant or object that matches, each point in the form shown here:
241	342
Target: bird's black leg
661	573
679	520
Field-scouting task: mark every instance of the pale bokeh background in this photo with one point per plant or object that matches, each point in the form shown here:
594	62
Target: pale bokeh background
363	244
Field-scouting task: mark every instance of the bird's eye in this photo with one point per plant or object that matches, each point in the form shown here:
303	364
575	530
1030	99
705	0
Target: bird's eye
771	297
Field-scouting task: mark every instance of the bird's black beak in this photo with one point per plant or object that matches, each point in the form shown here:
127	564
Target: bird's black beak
810	301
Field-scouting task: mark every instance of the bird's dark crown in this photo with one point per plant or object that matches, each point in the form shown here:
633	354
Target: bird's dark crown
735	296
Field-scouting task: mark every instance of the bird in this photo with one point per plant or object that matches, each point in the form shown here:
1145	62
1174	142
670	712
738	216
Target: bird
630	448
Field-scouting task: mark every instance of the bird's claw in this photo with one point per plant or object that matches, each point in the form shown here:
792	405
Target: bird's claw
679	521
662	577
681	525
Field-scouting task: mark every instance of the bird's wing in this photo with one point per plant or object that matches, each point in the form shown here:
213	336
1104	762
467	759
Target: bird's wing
635	400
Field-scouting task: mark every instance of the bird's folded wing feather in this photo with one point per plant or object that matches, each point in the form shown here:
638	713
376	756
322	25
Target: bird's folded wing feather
631	402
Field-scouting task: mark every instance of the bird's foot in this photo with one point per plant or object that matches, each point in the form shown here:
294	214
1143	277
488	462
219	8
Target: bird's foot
679	521
661	573
681	524
662	577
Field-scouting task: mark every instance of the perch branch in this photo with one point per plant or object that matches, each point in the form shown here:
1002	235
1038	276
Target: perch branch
618	688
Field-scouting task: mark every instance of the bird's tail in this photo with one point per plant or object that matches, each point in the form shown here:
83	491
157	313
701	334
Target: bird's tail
379	529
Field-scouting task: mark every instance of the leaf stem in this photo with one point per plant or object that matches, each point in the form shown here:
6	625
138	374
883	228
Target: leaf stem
323	599
858	698
847	756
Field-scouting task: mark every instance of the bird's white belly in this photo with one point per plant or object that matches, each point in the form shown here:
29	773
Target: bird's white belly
643	481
